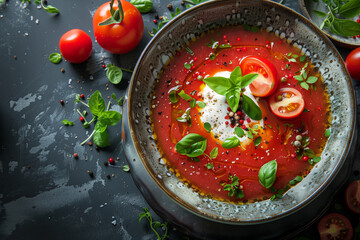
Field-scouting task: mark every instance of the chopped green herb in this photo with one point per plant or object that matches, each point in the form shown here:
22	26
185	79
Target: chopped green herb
207	126
233	187
214	153
67	122
209	166
327	132
55	58
126	168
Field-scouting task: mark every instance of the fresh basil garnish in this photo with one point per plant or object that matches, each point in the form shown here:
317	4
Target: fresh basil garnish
192	145
207	126
267	174
114	73
67	122
232	88
231	142
257	141
239	132
214	153
55	57
96	103
143	6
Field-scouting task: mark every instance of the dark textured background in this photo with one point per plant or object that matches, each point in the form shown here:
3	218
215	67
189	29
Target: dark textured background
44	191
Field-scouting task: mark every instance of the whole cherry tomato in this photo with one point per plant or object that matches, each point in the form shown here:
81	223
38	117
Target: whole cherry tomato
75	46
353	63
121	31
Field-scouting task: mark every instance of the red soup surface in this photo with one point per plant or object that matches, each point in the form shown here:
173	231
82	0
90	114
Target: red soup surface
229	155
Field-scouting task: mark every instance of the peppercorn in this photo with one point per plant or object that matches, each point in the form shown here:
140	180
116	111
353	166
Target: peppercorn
76	155
62	102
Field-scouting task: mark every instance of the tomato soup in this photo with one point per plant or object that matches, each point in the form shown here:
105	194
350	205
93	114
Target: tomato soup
240	115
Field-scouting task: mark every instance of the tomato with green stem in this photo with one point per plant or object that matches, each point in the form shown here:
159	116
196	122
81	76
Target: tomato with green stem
75	46
266	82
335	226
118	26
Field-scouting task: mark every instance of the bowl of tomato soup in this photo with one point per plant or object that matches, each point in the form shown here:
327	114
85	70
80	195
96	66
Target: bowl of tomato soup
239	115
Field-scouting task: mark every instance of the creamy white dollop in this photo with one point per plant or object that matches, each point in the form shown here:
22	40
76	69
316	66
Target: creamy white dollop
215	112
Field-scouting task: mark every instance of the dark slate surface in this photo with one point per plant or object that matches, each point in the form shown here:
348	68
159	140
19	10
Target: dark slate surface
44	191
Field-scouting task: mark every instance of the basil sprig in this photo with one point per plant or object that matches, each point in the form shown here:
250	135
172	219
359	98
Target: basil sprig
192	145
232	88
338	10
143	6
267	174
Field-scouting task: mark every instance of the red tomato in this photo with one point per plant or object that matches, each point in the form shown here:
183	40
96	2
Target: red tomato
266	83
75	46
352	196
287	103
118	37
335	226
353	63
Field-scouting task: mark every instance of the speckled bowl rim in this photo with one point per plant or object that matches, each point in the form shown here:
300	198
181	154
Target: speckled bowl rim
191	208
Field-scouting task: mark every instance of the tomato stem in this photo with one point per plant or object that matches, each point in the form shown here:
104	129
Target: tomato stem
116	15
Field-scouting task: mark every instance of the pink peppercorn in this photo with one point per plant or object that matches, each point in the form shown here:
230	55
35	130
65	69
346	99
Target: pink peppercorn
111	161
305	158
81	118
155	21
227	117
248	120
226	123
229	109
238	39
238	113
232	125
243	127
293	155
241	121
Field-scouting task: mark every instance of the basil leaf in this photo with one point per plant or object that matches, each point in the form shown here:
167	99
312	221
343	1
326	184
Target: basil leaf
192	103
304	85
316	159
55	58
219	84
96	103
267	174
209	166
247	80
250	135
312	79
67	122
235	75
231	142
251	109
327	132
207	126
126	168
51	9
239	132
319	13
101	139
310	153
233	97
214	153
114	73
345	27
100	127
192	145
201	104
350	9
185	96
110	118
143	6
257	141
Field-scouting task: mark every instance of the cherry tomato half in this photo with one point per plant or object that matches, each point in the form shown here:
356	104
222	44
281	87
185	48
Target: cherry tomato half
335	226
75	46
353	63
352	196
287	103
118	37
266	83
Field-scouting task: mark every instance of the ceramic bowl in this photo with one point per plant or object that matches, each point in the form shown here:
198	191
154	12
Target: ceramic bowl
307	8
179	203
